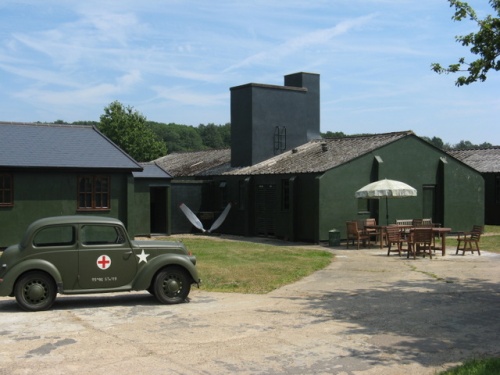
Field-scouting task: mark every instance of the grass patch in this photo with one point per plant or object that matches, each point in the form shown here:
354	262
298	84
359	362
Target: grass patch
247	267
488	366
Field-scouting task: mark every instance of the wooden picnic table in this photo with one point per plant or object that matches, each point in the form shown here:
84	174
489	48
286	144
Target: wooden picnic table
442	234
435	230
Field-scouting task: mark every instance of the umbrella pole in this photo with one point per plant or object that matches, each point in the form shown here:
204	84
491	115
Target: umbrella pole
387	211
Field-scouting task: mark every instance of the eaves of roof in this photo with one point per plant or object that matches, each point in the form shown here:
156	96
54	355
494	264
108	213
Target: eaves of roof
483	160
196	163
151	170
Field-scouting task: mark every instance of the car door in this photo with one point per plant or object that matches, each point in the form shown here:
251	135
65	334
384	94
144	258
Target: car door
106	259
57	245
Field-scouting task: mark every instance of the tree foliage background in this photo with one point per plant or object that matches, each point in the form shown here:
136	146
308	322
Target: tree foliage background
485	44
128	129
148	140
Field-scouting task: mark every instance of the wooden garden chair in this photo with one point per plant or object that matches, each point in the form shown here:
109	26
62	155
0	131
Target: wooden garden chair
354	233
420	241
394	236
372	232
465	240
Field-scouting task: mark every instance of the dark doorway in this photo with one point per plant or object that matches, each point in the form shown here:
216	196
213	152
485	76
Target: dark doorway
429	202
158	210
265	210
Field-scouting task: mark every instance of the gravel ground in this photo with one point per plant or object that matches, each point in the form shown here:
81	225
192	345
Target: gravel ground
366	313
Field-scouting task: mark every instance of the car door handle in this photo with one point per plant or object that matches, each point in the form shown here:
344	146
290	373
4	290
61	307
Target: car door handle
127	255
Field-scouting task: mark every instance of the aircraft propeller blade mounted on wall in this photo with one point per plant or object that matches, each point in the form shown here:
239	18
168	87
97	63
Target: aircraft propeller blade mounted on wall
197	223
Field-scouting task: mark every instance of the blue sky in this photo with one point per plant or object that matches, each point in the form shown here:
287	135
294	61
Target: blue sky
175	61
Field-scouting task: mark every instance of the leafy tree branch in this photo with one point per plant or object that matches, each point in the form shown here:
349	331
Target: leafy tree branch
485	43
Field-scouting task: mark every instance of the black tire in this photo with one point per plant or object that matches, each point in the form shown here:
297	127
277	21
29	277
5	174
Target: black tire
35	291
172	285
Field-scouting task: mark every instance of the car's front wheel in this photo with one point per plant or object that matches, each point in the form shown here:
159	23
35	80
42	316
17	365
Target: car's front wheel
172	285
35	291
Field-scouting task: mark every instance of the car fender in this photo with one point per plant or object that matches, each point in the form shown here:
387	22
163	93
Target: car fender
148	271
7	285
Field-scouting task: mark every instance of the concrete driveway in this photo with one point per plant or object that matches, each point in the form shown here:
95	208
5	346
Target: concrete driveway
364	314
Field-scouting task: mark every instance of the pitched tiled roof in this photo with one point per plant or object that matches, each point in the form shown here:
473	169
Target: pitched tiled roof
320	155
484	160
196	163
60	146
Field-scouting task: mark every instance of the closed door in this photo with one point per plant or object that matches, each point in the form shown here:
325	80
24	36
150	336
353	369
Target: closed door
265	210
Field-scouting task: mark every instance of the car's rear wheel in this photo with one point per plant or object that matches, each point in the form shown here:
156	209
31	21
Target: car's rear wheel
172	285
35	291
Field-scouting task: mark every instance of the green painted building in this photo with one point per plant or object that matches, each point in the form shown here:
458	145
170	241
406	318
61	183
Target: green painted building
284	181
304	193
54	170
487	162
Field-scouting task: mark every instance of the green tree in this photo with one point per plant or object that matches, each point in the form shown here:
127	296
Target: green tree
93	123
178	138
484	43
438	142
225	132
128	129
212	136
330	134
467	145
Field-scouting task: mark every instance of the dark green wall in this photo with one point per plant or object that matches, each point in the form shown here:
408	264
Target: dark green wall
463	196
52	193
189	192
458	189
140	205
324	201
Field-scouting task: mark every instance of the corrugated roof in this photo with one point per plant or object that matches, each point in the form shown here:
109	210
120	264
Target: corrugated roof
60	146
315	156
320	155
196	163
151	170
483	160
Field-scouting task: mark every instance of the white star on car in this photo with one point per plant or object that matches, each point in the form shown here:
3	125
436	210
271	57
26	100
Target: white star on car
143	257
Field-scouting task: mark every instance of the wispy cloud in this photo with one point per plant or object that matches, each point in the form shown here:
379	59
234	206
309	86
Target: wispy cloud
90	93
185	96
293	45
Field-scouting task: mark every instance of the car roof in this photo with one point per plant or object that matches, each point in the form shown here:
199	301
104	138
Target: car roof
75	219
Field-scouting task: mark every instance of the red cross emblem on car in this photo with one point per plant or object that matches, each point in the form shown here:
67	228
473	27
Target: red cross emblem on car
103	262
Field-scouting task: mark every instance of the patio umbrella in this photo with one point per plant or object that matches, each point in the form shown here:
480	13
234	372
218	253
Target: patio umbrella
386	189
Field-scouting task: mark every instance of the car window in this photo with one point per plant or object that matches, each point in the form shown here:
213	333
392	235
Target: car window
61	235
101	235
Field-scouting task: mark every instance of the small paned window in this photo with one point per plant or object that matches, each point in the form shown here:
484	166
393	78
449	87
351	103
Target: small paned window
6	190
93	193
363	205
